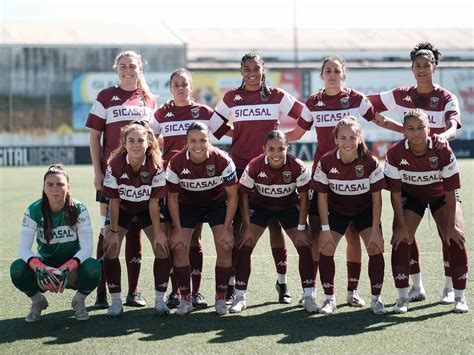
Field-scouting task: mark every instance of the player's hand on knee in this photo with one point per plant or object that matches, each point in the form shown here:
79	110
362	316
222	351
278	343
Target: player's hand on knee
455	235
69	266
177	238
400	234
111	243
160	245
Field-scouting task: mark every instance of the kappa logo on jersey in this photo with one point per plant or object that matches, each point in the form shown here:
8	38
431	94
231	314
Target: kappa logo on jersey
169	114
195	112
333	171
401	277
124	176
320	103
407	98
359	170
433	162
404	162
434	102
262	175
345	102
185	172
287	176
115	98
238	98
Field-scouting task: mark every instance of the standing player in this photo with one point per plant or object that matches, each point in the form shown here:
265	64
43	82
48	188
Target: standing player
63	233
134	182
425	176
171	122
349	181
114	108
324	109
442	108
272	186
255	109
199	179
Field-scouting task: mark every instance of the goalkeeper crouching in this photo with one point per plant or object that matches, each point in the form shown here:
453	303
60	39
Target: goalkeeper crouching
63	233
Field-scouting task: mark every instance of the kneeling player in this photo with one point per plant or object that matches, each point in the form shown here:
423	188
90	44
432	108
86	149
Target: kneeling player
268	188
349	181
418	176
133	183
202	184
63	234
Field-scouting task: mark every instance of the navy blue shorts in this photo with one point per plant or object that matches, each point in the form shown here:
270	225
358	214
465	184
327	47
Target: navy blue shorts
339	222
191	215
288	218
412	204
125	219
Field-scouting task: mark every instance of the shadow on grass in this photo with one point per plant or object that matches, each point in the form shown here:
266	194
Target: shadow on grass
292	322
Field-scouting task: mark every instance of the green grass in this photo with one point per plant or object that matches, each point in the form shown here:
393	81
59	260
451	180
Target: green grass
266	327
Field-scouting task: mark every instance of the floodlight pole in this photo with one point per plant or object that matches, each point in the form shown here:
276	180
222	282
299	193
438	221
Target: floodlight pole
295	36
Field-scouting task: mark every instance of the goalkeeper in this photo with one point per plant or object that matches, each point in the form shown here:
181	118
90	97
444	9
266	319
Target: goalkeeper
63	232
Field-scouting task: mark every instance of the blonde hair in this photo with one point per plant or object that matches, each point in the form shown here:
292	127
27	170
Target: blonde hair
142	84
351	121
153	150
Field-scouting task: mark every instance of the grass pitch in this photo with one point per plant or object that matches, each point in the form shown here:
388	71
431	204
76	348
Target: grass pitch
265	327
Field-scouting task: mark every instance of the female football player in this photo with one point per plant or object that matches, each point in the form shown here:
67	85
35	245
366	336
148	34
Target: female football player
62	229
442	108
255	109
425	176
171	122
349	181
114	108
324	109
274	184
202	185
134	182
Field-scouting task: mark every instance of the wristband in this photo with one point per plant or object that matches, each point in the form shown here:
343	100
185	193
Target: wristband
325	227
112	231
301	227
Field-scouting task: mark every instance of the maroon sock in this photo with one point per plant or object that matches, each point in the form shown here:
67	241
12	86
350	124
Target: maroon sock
235	255
401	265
133	256
174	282
327	270
195	261
376	273
458	265
161	272
280	257
222	280
353	275
414	258
113	274
446	263
306	266
243	267
183	276
101	290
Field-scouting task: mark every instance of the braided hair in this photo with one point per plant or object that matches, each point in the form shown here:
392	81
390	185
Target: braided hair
264	90
425	49
70	214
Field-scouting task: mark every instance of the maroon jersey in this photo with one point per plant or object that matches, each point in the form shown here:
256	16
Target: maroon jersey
440	105
173	122
114	108
253	117
325	112
349	186
134	189
426	177
275	190
201	184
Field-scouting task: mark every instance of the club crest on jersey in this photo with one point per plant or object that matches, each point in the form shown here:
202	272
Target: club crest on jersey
359	170
434	102
195	112
287	176
211	170
433	162
141	102
345	102
145	177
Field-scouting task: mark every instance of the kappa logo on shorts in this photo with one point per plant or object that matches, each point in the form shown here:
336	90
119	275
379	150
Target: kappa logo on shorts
287	176
211	170
238	98
115	98
359	170
145	177
169	114
433	162
195	112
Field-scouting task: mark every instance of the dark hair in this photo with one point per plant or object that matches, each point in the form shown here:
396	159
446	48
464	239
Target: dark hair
265	90
416	113
182	71
425	49
276	134
334	58
153	149
197	126
351	121
70	214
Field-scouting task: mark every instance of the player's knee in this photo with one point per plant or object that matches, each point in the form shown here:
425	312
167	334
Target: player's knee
327	247
90	269
353	239
18	270
225	246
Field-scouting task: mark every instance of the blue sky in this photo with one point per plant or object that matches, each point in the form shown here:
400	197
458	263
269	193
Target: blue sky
246	13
